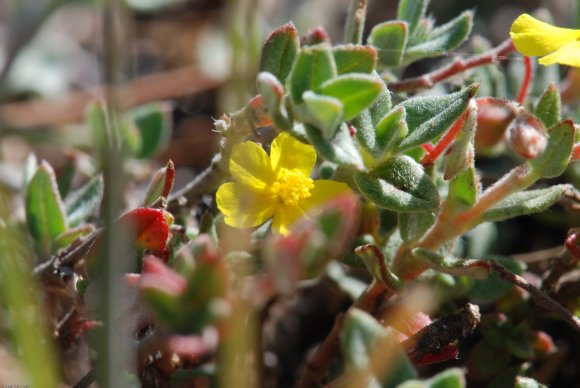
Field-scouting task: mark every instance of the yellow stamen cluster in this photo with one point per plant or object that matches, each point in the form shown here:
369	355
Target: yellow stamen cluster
291	187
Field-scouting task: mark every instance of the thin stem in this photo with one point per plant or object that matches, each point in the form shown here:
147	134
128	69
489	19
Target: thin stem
539	298
527	81
456	67
445	141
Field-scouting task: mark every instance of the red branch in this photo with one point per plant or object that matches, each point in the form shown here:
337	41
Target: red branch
450	135
526	82
457	66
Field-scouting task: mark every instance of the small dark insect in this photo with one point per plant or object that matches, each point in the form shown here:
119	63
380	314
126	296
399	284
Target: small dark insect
432	338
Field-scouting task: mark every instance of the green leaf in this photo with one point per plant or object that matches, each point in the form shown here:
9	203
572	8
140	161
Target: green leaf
340	149
153	121
360	336
493	288
314	66
351	58
355	21
442	39
460	156
525	202
412	11
356	92
428	117
463	191
381	107
30	166
486	361
323	112
272	92
160	185
450	378
72	234
390	131
554	160
45	215
477	269
399	184
528	382
66	175
549	107
82	203
280	51
412	226
390	39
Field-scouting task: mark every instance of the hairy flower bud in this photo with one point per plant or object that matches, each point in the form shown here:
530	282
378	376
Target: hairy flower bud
527	136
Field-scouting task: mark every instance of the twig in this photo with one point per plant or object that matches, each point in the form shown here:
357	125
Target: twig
561	264
540	255
70	108
457	66
315	369
540	298
526	82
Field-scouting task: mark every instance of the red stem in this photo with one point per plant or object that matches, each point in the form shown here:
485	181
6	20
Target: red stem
526	82
445	141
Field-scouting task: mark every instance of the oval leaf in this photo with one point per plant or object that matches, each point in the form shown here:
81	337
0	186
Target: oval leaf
356	92
279	51
153	122
390	39
412	11
324	112
399	184
554	160
549	106
314	66
351	58
340	149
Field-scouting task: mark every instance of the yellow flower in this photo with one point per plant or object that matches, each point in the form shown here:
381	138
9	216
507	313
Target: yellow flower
554	44
277	186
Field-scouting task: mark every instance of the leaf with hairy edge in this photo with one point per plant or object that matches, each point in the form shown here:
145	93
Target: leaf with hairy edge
82	203
45	214
399	184
525	202
549	107
463	190
428	117
368	119
390	39
160	185
30	166
412	11
441	39
279	51
340	149
356	92
351	58
412	226
272	92
381	107
323	112
461	154
554	160
477	269
313	66
390	131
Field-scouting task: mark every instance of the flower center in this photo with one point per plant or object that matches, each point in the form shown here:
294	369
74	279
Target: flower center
292	187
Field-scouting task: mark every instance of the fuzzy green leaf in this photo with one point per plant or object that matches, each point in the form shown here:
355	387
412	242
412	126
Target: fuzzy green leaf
352	58
83	202
390	131
381	107
323	112
390	39
45	214
399	184
356	92
279	51
412	11
313	66
360	336
272	92
340	149
153	121
460	156
554	160
429	117
477	269
549	107
463	190
412	226
525	202
442	39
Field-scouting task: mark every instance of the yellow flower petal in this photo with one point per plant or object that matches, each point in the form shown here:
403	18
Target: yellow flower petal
285	217
568	54
244	207
323	191
250	165
533	37
288	153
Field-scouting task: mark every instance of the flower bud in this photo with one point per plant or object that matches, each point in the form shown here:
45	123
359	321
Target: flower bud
527	136
493	118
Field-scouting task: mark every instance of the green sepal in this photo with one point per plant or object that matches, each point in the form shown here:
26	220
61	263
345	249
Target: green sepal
463	191
525	202
390	40
313	66
280	51
340	149
45	212
428	117
272	92
549	107
356	92
400	184
476	269
323	112
442	39
351	58
554	160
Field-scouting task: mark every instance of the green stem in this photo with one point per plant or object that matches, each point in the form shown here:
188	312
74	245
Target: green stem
355	22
